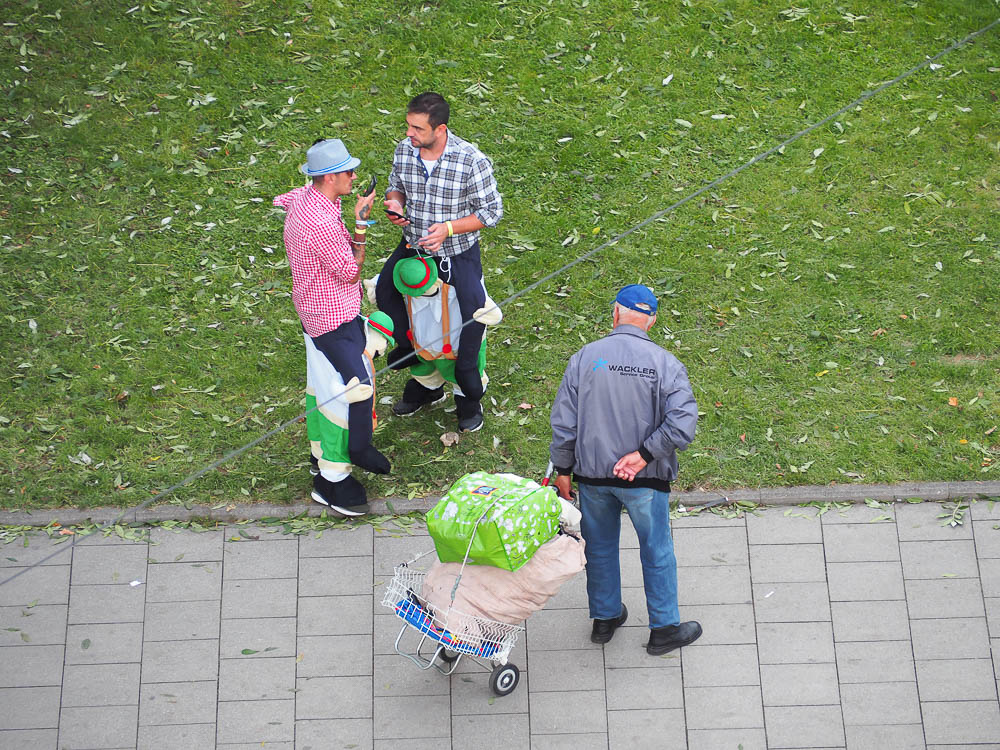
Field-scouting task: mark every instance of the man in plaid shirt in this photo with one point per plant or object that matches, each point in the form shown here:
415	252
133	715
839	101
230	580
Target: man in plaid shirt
441	193
325	261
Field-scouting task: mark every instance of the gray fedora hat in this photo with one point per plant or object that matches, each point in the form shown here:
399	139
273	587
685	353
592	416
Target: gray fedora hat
327	157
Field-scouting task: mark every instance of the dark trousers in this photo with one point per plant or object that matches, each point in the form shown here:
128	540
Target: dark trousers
344	346
465	276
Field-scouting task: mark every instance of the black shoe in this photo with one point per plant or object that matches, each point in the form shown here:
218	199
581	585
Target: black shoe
400	358
313	465
370	459
471	423
672	637
605	629
416	397
347	497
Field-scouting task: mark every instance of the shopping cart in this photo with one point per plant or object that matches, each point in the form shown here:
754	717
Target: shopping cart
450	635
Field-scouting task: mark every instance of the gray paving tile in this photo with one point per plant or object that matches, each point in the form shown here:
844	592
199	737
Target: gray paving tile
106	603
16	555
105	538
166	621
645	729
934	559
335	656
870	621
42	625
177	703
875	661
726	739
178	661
490	732
878	703
987	538
785	563
562	671
322	734
104	644
897	737
956	680
420	743
965	638
101	685
333	698
31	666
102	726
108	564
256	679
772	526
581	711
804	726
29	739
977	746
951	597
268	637
627	649
341	576
48	584
865	581
961	721
989	574
338	542
993	615
258	745
184	582
643	688
799	684
394	676
471	695
177	737
791	602
855	542
265	597
858	514
29	708
559	629
255	721
412	716
721	623
335	615
920	521
241	533
265	559
722	584
720	666
692	521
716	545
169	546
587	741
795	643
391	551
723	707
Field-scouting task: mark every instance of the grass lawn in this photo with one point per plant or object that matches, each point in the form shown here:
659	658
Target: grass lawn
836	305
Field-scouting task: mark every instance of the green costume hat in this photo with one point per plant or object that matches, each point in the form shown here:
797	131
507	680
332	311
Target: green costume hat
414	276
380	322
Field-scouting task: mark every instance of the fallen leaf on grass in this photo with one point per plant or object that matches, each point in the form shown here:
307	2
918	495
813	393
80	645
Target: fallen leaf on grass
952	401
525	405
449	439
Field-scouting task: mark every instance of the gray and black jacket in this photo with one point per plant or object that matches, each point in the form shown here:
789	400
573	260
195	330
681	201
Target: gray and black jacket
620	394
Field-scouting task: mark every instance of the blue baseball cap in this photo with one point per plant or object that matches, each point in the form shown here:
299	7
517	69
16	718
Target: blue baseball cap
328	157
637	297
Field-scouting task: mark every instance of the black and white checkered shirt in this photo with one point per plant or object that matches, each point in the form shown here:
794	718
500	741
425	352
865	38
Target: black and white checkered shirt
462	183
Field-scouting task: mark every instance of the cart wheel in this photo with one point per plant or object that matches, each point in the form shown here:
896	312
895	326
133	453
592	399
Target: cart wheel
504	679
448	657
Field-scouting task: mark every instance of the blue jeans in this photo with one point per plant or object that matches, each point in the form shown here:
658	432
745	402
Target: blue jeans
601	527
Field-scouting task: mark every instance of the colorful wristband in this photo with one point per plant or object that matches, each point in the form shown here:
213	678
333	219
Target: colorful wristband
451	229
359	230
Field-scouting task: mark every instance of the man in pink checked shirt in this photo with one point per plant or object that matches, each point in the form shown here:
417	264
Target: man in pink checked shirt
325	261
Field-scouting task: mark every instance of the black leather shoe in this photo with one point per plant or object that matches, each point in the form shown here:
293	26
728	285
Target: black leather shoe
672	637
472	422
416	397
605	629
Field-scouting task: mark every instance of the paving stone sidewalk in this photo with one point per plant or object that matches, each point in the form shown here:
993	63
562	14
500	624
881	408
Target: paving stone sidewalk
837	631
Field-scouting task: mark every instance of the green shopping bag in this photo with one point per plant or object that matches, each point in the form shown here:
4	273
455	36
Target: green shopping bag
515	517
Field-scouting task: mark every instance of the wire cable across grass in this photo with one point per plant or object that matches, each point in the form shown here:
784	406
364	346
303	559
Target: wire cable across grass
534	285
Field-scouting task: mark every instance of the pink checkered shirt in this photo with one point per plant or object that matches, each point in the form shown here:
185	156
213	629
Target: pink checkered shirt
318	246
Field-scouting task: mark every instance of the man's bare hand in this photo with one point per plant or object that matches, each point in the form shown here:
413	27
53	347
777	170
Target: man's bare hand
363	208
394	205
435	237
629	465
564	486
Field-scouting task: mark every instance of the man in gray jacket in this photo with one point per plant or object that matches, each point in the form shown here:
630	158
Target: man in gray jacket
623	409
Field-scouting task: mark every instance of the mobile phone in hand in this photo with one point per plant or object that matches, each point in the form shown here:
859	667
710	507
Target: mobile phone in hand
394	213
371	187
